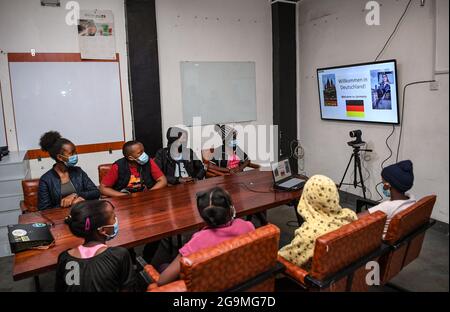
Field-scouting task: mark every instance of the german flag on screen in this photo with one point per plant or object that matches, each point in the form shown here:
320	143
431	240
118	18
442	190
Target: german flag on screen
355	108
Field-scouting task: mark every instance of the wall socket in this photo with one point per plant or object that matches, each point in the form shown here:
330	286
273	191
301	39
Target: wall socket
434	86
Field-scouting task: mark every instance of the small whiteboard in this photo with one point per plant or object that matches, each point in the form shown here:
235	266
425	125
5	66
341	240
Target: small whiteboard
218	92
81	100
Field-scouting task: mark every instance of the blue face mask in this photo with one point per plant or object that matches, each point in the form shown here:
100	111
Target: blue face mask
387	193
72	161
143	159
115	232
232	143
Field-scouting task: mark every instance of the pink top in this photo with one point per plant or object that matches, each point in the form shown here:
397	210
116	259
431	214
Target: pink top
89	252
209	237
233	161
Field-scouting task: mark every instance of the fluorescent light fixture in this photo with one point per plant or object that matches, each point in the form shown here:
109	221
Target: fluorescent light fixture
51	3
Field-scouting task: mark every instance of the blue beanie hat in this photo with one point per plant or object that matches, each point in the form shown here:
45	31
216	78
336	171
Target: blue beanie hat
400	176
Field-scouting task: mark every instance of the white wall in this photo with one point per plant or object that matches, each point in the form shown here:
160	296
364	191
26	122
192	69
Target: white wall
213	30
25	25
334	33
203	30
2	123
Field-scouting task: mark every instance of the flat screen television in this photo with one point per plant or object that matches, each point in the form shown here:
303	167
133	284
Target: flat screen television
361	92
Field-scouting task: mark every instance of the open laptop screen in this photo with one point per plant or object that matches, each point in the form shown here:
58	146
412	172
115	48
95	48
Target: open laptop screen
281	170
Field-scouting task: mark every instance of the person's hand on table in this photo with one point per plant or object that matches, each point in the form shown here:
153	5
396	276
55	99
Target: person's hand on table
186	180
67	201
235	170
77	200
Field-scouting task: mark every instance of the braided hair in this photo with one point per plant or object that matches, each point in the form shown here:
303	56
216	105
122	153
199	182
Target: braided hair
215	207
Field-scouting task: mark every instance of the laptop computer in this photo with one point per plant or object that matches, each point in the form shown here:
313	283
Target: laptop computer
28	236
283	177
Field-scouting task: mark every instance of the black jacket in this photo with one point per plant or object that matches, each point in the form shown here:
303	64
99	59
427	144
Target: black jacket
194	167
125	174
49	194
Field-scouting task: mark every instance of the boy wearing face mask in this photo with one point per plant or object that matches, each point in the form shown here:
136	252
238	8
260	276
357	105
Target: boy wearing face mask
65	184
398	179
179	163
135	172
93	266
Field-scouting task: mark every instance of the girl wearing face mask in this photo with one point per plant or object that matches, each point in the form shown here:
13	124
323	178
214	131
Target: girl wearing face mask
65	184
216	208
99	268
135	172
228	158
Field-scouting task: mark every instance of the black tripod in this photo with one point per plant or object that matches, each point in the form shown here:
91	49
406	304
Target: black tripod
357	169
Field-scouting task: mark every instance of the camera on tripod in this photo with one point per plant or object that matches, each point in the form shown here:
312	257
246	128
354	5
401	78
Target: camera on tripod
356	158
358	142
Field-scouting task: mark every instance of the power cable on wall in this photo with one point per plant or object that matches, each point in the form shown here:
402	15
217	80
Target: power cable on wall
391	36
395	30
298	153
403	112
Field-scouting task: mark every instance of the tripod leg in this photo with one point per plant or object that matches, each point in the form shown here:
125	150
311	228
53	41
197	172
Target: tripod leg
358	161
346	169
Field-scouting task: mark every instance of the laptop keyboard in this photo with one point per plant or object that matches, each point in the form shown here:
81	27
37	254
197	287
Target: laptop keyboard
292	182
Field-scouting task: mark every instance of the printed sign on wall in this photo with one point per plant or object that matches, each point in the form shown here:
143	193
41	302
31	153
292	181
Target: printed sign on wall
96	35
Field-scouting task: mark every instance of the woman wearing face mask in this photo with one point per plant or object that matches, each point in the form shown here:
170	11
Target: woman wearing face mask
98	268
179	163
228	158
65	184
135	172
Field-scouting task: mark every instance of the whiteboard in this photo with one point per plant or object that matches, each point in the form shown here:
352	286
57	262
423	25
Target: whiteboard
81	100
218	92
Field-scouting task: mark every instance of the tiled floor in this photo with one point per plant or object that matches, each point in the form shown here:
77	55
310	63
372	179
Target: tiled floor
428	273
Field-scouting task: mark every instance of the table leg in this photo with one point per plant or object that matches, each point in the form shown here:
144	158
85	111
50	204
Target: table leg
299	218
179	241
37	283
262	217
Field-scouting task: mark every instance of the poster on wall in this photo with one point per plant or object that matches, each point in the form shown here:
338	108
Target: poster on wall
96	34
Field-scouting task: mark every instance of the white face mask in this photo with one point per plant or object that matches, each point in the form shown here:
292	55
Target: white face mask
233	213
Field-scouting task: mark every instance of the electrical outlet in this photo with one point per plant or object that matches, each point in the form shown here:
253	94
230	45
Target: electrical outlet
434	86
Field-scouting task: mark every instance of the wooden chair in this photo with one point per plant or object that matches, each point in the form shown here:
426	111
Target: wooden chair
30	196
340	257
102	171
245	263
405	236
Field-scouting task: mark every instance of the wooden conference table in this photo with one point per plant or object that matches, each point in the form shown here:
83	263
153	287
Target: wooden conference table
150	216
